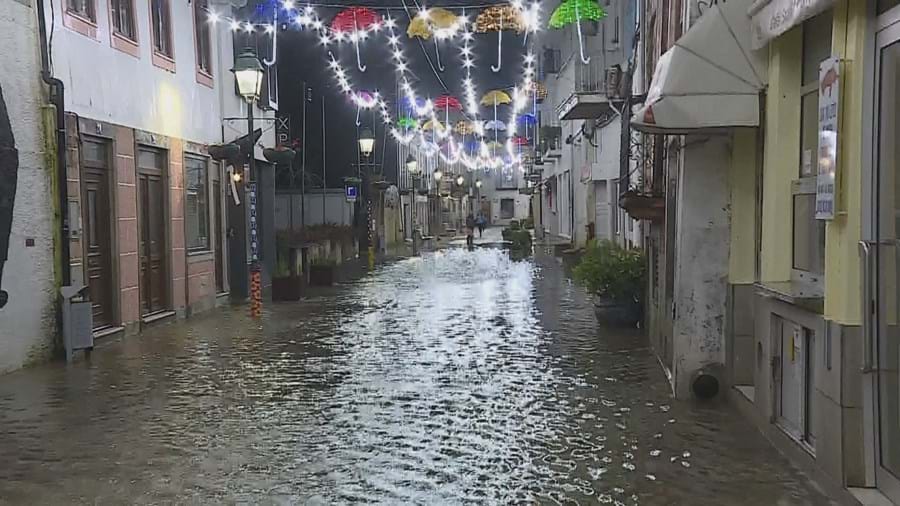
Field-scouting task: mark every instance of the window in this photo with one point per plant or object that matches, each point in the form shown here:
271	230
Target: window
507	209
203	40
808	232
122	18
196	203
82	8
161	27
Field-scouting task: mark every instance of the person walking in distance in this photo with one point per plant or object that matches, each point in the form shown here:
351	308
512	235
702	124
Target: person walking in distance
9	168
480	221
470	231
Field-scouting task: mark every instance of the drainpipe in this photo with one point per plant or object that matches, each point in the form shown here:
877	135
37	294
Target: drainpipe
57	98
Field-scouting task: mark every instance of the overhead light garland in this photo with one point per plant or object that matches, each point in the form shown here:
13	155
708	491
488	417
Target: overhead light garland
359	24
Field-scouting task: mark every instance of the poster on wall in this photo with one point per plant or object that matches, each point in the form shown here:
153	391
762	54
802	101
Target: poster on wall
9	168
829	101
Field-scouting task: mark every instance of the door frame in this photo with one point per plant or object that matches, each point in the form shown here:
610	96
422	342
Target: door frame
112	196
166	218
884	32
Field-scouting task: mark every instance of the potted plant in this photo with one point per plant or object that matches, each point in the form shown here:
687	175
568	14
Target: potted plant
286	280
321	272
518	241
616	277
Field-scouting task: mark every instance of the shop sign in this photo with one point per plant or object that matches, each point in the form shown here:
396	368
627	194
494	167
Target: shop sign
351	192
829	101
771	18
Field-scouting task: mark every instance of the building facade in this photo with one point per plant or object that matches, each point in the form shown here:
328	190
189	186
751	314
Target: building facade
152	216
27	225
773	266
580	129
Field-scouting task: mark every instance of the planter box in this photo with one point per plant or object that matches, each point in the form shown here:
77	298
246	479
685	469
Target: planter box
321	275
643	207
617	313
288	288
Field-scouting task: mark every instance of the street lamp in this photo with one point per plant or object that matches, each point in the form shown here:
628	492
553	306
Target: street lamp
438	175
478	184
460	180
366	146
366	142
248	73
412	167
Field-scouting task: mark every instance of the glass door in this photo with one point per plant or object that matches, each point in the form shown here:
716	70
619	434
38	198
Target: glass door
884	354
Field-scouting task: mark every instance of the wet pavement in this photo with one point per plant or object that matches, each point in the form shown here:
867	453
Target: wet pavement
455	378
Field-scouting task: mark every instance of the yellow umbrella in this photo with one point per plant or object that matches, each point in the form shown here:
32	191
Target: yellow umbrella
437	23
495	98
433	125
464	128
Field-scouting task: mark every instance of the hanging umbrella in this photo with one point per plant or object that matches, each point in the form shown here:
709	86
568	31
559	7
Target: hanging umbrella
495	125
407	122
433	125
496	98
447	102
498	18
464	128
436	23
519	141
355	21
527	119
539	89
362	99
576	11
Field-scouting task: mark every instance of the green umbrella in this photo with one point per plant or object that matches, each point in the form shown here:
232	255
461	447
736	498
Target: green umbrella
575	11
407	122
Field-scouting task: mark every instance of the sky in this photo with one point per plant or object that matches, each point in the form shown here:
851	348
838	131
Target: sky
301	59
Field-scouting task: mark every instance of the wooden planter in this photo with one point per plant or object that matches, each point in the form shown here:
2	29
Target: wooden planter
287	288
321	275
643	207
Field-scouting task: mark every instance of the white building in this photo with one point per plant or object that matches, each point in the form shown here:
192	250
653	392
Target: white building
581	128
148	206
27	284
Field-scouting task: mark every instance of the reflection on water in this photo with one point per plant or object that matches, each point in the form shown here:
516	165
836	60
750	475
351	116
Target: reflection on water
454	378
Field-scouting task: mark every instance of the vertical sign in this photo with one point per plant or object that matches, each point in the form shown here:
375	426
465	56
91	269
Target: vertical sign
254	237
283	131
829	100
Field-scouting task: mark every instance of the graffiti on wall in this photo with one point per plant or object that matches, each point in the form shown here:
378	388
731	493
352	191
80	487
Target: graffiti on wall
9	167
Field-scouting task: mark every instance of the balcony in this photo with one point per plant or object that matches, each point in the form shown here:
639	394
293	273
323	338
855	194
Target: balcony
551	141
593	85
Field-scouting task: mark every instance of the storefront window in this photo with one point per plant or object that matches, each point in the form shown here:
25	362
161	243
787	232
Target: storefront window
196	204
809	233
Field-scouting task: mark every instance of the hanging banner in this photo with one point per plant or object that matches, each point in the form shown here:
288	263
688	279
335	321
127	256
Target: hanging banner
829	105
771	18
254	229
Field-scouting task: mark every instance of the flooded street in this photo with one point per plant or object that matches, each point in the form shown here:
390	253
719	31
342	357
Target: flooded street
454	378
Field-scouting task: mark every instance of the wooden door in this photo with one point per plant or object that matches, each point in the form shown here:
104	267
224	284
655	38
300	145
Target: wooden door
152	226
97	218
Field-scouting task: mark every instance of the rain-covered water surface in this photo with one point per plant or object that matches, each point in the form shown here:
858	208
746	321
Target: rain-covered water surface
454	378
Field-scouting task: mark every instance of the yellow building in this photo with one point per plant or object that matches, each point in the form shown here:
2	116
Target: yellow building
809	344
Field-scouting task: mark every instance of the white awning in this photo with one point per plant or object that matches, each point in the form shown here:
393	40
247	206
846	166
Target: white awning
709	79
772	18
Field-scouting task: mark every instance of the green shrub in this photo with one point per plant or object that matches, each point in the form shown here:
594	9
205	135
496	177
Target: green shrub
608	270
520	241
528	224
514	225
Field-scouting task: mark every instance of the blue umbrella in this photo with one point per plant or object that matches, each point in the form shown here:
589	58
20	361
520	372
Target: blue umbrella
527	119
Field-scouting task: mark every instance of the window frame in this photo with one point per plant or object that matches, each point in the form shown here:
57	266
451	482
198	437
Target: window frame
206	205
84	23
162	59
804	183
128	44
204	76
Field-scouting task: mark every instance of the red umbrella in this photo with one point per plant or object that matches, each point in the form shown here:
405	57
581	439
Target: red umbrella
447	102
354	20
519	141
